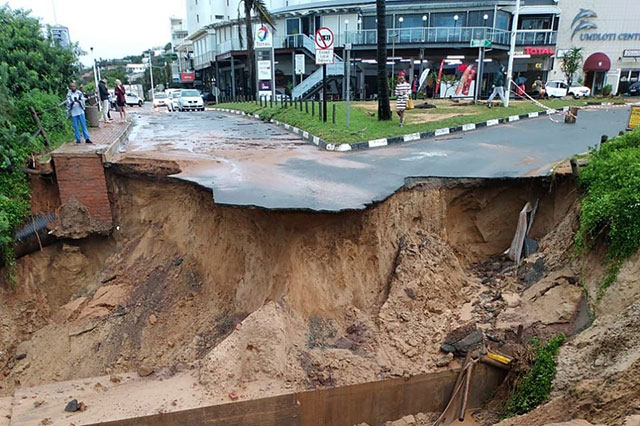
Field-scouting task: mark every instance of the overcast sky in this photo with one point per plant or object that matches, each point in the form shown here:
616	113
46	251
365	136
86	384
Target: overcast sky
114	28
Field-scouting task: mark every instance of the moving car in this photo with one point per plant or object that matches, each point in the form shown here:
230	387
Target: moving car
560	89
160	99
132	99
634	89
190	100
172	101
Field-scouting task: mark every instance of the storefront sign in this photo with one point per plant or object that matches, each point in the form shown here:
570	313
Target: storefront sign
634	118
539	51
264	70
631	53
264	38
187	77
585	20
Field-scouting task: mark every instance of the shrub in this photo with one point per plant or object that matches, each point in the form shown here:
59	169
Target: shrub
606	90
611	207
535	386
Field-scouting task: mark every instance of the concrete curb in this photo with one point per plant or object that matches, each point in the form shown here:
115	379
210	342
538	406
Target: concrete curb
394	140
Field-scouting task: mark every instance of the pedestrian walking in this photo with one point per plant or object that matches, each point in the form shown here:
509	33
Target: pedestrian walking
498	88
75	109
104	99
121	100
538	86
403	89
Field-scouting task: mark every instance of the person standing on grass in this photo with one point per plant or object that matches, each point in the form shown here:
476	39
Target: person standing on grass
498	88
75	109
403	89
121	100
104	99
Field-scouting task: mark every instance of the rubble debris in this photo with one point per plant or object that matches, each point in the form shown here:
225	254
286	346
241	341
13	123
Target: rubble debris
463	340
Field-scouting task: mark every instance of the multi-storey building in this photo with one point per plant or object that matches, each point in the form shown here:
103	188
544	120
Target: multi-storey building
420	34
609	35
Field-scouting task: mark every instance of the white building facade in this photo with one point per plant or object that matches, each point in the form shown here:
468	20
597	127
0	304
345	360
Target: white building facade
420	34
609	35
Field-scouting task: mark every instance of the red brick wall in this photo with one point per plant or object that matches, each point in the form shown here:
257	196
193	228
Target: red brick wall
83	177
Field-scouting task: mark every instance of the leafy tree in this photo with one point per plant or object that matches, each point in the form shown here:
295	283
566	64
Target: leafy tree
34	72
258	8
384	109
571	62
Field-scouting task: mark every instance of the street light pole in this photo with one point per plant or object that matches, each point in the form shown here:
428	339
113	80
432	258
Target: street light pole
95	76
512	51
151	75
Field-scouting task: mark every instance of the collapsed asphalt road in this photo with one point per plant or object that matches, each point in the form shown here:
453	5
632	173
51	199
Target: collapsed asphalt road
250	163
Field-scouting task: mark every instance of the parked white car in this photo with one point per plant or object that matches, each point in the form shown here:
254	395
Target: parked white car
160	99
560	89
172	101
190	100
132	99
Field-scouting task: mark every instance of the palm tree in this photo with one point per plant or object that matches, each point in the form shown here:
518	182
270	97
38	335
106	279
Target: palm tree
384	110
258	8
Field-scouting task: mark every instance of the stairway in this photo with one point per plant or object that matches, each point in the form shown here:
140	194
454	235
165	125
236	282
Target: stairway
313	83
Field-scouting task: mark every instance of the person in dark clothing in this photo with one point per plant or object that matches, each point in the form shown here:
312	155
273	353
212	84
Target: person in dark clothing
104	99
498	87
121	100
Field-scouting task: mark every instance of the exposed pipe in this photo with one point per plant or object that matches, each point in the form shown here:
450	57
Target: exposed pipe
34	235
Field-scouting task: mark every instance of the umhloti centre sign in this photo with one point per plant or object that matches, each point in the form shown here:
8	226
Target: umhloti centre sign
585	20
539	51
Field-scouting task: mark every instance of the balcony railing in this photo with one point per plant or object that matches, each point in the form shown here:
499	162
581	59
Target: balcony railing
536	37
427	35
203	61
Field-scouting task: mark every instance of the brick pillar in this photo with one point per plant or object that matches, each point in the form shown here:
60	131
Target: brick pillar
82	177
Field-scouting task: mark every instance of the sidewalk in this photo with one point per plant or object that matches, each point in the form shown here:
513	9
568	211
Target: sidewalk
79	167
106	140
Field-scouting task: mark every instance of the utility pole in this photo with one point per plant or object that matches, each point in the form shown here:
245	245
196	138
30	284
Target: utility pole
512	51
151	75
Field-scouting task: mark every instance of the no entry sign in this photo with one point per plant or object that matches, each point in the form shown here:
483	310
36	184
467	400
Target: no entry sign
324	38
324	46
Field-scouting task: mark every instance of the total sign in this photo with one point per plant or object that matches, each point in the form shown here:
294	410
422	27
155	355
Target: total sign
264	38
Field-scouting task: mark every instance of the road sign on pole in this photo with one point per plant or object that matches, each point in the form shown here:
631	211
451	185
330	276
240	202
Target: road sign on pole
481	43
324	39
299	61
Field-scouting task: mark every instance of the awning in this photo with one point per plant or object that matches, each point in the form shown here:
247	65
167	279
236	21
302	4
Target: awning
597	62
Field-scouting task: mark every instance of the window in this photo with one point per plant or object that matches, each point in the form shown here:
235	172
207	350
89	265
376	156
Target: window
476	18
370	22
196	2
502	20
410	21
198	19
293	26
219	16
535	23
448	19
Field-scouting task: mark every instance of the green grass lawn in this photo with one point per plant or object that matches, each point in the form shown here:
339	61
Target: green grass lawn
365	126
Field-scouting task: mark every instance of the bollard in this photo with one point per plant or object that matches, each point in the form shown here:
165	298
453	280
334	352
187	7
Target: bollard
333	114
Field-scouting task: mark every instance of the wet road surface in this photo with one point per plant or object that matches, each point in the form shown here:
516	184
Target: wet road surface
249	163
